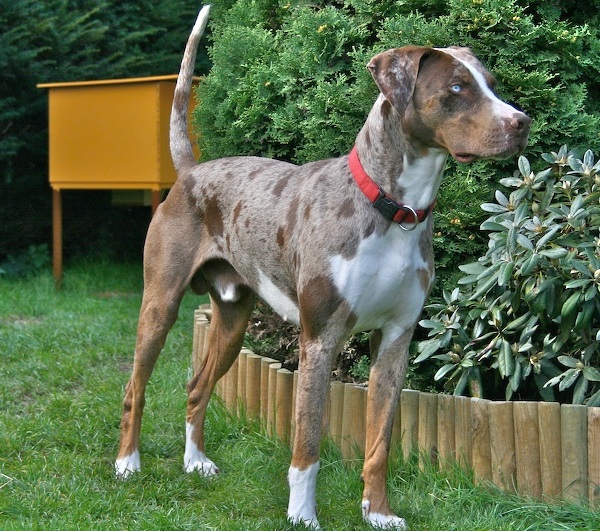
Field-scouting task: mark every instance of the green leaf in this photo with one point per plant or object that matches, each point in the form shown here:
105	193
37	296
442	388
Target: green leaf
569	379
427	349
506	360
592	199
525	347
511	182
566	328
474	268
469	279
591	293
443	370
593	258
569	307
591	373
554	253
553	381
548	235
517	323
585	315
493	226
505	273
529	264
581	267
517	376
576	205
577	283
484	287
568	361
529	330
525	242
493	208
462	383
580	390
430	323
547	393
501	198
524	166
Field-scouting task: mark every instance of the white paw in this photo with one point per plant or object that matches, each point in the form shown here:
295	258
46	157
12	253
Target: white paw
302	506
126	466
382	521
312	523
201	464
194	460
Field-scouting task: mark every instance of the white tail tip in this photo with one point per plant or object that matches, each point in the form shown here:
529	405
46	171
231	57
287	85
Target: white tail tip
201	20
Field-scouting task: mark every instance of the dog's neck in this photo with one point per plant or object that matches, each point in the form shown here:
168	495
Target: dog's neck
407	172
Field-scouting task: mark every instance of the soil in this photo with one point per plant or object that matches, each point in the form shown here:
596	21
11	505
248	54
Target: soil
268	335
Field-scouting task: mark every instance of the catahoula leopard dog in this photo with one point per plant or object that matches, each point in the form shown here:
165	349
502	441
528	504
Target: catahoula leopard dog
336	246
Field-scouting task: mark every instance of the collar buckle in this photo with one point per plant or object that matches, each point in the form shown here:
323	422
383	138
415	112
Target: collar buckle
386	206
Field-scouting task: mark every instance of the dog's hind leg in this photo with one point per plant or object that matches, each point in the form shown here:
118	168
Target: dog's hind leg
225	337
385	383
168	267
157	315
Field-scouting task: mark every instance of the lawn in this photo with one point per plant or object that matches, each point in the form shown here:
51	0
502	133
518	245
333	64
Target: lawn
64	360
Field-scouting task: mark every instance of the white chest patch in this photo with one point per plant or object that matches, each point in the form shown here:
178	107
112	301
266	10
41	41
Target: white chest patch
381	282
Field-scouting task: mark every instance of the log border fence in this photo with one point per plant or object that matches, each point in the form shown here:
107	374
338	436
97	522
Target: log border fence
543	450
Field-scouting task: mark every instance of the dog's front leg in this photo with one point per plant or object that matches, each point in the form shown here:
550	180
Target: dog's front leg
313	380
385	383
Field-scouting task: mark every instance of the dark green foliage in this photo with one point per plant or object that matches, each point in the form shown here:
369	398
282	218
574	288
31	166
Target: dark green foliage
68	40
26	264
289	81
282	92
527	315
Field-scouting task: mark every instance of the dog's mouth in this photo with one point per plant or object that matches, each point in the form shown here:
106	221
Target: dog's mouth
464	158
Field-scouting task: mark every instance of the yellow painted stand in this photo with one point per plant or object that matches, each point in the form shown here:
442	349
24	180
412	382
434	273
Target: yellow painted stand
108	135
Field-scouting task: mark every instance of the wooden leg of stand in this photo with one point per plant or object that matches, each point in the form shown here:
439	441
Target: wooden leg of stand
57	243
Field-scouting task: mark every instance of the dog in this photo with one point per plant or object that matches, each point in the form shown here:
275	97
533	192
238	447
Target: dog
336	246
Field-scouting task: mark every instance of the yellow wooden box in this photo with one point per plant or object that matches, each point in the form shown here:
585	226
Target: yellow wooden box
111	134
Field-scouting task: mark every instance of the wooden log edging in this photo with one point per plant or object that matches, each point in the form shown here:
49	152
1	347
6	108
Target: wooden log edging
542	450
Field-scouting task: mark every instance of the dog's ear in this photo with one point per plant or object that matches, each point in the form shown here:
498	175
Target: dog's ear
395	73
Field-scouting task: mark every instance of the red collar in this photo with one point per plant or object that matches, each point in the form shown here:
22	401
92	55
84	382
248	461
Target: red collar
381	201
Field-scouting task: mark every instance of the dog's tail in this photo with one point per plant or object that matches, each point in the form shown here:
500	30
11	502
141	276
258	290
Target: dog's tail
181	147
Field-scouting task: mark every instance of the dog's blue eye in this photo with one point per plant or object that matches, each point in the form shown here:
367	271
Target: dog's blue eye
456	88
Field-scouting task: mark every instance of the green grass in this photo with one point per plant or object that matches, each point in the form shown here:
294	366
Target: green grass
64	361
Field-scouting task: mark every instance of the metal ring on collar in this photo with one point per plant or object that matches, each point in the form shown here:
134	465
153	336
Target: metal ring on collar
416	223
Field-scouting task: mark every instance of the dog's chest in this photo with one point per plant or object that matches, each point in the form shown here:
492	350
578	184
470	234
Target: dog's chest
386	280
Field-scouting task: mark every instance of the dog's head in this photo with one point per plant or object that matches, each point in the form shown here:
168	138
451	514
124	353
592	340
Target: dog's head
445	98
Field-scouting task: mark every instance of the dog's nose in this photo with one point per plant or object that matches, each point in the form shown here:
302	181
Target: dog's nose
519	121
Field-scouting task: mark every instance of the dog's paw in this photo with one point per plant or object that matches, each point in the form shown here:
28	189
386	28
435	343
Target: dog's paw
194	459
310	523
201	464
126	466
382	521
